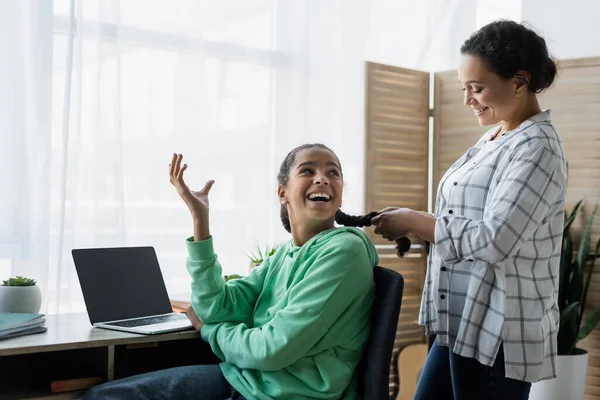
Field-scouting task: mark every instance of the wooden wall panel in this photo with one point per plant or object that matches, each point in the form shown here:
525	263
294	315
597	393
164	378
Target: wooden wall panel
455	128
397	150
575	104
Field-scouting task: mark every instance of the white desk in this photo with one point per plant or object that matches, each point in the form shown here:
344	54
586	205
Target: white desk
72	348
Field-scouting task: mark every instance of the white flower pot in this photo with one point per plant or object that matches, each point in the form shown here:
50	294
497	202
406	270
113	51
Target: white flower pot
570	381
20	299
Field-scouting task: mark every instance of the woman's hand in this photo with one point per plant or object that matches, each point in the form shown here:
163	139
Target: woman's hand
196	201
392	223
193	317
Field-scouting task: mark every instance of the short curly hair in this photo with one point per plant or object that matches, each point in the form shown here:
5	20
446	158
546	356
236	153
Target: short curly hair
507	47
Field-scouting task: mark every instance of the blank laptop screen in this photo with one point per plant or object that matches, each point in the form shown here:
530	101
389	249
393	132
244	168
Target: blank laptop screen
121	283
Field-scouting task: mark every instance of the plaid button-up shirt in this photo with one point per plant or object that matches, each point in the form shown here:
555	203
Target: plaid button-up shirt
500	226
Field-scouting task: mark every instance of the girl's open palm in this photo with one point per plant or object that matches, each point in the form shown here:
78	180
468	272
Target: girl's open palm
197	201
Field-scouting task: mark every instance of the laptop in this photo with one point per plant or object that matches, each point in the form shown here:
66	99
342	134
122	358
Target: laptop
124	290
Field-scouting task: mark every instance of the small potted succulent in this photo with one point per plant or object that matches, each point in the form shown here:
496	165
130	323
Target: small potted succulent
20	295
257	258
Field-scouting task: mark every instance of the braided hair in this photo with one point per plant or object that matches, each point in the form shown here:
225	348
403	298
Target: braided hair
402	244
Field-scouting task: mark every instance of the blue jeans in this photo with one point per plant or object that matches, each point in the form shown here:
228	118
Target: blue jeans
450	376
190	382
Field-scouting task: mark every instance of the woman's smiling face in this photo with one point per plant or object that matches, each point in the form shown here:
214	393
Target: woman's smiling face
492	98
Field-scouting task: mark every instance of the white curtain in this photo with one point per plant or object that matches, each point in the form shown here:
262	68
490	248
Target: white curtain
96	95
26	29
232	85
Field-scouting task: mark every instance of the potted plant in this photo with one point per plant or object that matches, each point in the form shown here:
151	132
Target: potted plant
257	258
20	295
575	276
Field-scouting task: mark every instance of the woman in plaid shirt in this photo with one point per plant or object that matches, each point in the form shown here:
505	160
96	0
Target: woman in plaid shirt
492	282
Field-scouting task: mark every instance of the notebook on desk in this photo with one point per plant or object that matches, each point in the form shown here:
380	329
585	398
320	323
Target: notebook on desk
19	320
20	324
124	290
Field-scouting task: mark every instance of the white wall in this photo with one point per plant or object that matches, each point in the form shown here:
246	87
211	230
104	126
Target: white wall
571	29
424	35
427	35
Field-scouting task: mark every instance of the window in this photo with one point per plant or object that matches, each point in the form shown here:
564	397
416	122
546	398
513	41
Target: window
144	85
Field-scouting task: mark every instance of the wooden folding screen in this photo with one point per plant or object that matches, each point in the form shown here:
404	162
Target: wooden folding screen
575	105
397	147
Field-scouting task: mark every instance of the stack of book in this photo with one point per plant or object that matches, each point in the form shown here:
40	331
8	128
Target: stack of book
12	324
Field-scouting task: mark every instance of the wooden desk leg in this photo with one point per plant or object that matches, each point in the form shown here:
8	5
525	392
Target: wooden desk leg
110	372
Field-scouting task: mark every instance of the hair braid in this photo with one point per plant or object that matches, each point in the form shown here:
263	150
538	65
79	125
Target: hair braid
359	221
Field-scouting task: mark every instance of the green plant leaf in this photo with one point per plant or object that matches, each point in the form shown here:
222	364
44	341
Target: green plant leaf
589	325
569	313
569	220
567	335
253	257
576	285
19	281
584	245
566	262
260	254
574	282
592	260
568	329
231	277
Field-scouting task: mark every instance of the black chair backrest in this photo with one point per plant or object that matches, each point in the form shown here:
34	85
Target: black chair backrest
374	369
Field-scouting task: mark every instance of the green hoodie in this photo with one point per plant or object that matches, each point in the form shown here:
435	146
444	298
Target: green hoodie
296	326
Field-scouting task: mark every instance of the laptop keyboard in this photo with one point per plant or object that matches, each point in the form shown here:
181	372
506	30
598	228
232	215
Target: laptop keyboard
149	321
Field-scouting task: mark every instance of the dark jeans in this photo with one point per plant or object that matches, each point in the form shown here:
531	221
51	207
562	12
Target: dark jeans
450	376
190	382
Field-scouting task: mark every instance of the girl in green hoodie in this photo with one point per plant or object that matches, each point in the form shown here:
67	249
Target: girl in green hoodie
296	326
